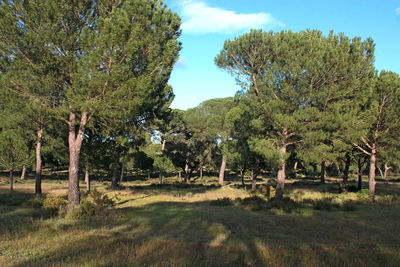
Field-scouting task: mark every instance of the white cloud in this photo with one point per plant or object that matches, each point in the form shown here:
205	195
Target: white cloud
199	18
397	10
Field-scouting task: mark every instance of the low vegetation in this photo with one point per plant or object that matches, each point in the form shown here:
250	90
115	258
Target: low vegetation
144	223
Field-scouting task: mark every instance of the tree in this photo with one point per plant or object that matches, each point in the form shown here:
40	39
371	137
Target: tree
378	122
295	76
12	152
112	60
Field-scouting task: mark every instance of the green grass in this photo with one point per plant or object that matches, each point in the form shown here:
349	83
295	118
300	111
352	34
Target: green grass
205	225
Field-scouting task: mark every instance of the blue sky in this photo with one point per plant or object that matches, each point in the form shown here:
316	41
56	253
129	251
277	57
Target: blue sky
206	24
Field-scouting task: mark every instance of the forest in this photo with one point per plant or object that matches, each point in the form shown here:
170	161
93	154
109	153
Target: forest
299	168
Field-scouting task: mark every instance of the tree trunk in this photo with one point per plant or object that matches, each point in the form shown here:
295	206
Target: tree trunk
338	169
148	174
222	171
179	175
201	172
75	144
387	168
346	172
87	178
359	174
187	172
23	172
160	177
122	172
281	175
116	175
372	166
242	177
253	181
11	181
380	171
322	175
38	171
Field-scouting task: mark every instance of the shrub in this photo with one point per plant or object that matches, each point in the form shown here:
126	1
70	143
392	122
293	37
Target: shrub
34	203
286	204
225	201
253	203
87	208
100	200
324	204
55	204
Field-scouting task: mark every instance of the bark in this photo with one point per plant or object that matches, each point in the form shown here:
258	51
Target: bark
359	174
38	171
122	172
187	172
387	168
242	177
254	173
281	175
11	181
179	175
322	175
148	174
87	178
222	171
116	174
75	144
253	181
23	172
380	171
346	171
201	172
160	177
372	169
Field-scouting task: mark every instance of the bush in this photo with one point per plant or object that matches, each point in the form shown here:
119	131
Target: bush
225	201
55	204
34	203
100	200
253	203
324	204
286	204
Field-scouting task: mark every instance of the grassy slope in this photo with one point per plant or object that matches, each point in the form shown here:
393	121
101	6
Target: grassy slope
176	226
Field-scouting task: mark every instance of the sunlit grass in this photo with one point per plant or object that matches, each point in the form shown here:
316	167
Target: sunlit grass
179	225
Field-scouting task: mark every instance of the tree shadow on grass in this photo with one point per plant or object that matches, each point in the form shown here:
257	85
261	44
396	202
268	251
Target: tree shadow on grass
199	234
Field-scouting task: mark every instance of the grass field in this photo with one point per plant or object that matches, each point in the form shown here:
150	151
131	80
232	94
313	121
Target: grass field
204	225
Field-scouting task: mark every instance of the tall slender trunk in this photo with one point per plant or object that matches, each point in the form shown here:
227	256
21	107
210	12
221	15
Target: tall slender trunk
201	172
160	177
372	169
387	168
222	171
242	177
338	169
122	172
322	175
75	144
11	181
346	171
281	174
23	172
148	174
254	173
87	178
359	174
116	174
253	181
187	172
380	171
179	175
38	171
295	169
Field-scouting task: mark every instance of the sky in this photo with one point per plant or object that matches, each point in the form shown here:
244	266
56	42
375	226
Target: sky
206	24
